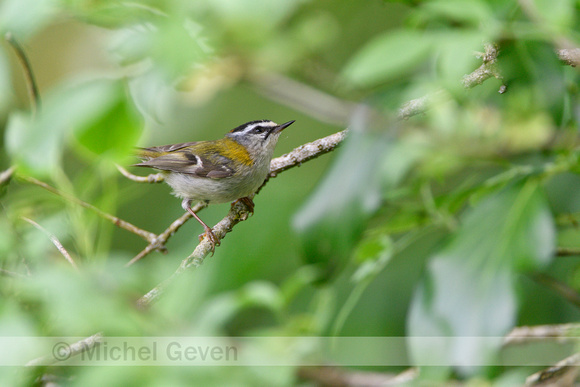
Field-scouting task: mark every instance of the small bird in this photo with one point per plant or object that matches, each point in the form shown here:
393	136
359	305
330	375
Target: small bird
219	171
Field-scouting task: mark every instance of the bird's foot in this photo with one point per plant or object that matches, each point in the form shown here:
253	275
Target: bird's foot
248	202
212	239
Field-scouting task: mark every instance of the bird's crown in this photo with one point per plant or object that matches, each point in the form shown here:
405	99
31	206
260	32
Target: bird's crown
258	127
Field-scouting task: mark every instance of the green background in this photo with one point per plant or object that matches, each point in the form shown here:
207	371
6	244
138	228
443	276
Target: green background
445	224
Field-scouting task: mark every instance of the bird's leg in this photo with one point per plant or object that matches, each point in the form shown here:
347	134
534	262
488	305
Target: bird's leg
186	204
247	201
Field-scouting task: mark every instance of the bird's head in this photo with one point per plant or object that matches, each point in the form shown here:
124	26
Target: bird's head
259	137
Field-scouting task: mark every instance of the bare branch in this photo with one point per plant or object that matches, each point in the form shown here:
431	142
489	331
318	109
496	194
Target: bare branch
28	74
419	105
306	152
238	213
148	236
562	374
153	294
522	334
487	70
54	241
570	56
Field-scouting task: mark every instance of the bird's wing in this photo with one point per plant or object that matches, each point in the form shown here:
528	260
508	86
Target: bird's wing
156	151
184	158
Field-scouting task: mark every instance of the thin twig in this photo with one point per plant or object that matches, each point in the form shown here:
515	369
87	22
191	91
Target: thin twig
54	241
564	290
161	239
237	213
153	294
488	69
419	105
562	374
6	175
152	178
29	75
306	153
67	351
522	334
148	236
567	252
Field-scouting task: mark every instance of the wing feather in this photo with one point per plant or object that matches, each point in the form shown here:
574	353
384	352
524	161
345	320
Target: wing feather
182	158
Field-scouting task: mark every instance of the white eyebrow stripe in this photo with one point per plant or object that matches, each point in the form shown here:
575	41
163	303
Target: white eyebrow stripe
250	127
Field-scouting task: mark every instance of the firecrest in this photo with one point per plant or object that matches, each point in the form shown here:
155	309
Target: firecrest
217	171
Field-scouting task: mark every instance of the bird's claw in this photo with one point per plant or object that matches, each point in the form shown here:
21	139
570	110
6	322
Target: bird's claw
212	239
248	202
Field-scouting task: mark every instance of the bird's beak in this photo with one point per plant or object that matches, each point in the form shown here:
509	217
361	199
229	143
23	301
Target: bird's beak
280	128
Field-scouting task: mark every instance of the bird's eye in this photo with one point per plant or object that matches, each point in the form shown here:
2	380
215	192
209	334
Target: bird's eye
258	129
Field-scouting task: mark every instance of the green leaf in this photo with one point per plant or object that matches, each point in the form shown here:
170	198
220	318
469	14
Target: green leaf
179	45
374	247
400	158
468	290
372	254
261	293
98	295
471	12
37	144
115	132
176	45
386	57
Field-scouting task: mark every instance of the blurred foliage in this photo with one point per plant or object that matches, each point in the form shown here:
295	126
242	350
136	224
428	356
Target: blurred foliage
436	225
